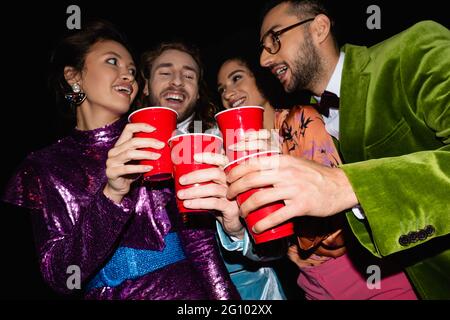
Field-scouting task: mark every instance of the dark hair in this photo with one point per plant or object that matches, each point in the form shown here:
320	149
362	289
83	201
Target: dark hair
266	83
72	51
204	108
264	80
304	9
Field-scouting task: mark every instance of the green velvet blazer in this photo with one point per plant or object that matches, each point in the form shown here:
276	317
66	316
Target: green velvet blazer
395	140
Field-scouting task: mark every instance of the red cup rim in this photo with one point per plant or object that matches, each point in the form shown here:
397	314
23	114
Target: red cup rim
194	134
287	229
139	110
250	156
232	109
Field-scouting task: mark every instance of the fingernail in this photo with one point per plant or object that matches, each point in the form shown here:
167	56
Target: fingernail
148	168
187	203
197	157
250	136
180	194
182	180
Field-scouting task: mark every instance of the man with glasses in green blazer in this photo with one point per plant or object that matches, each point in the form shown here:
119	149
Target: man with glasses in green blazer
391	119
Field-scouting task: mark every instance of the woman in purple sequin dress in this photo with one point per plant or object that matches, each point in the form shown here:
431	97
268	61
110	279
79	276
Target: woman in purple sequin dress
93	217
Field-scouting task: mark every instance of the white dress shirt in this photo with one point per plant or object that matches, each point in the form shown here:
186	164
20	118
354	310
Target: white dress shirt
332	121
183	127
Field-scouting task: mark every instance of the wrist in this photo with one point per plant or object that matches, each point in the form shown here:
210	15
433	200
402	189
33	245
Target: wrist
237	234
348	196
113	196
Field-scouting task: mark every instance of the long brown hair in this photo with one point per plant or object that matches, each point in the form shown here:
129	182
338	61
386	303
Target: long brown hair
204	109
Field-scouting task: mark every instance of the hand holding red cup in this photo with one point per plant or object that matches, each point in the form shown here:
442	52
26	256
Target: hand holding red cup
235	124
165	121
183	148
278	232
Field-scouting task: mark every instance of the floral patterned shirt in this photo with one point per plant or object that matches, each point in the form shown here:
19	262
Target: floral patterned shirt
303	134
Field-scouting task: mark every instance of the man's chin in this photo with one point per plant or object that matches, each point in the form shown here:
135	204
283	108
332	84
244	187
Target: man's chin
288	88
182	114
292	86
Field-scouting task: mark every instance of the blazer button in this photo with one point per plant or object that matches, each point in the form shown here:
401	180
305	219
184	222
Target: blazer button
422	234
404	240
413	236
430	230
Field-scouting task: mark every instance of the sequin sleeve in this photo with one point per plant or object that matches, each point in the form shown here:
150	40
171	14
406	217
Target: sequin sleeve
24	188
85	244
202	250
65	240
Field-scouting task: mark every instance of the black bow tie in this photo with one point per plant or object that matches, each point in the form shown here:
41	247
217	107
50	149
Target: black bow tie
327	100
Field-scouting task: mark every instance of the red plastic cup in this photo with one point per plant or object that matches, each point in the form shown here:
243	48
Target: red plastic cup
280	231
234	123
183	148
165	121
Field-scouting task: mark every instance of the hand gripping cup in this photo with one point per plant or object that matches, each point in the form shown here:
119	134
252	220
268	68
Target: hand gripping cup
278	232
165	122
234	123
183	148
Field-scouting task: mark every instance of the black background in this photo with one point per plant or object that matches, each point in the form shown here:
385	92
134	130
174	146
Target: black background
28	117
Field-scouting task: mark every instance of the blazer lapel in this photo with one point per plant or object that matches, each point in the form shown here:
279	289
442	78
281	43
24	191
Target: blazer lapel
353	99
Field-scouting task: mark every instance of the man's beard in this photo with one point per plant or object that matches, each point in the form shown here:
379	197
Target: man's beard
155	101
306	68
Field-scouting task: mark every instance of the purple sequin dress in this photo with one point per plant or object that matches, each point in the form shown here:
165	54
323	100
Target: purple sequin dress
75	224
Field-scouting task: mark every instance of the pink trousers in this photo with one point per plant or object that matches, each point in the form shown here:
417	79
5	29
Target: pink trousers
339	279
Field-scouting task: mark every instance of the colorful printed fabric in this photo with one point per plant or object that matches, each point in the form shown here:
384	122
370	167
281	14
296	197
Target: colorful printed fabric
303	135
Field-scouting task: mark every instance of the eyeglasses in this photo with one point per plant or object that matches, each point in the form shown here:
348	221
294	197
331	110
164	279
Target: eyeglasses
271	40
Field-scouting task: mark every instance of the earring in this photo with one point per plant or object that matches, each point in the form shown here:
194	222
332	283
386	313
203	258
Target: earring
75	97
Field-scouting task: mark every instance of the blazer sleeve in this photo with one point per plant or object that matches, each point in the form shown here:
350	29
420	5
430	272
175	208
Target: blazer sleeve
406	199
